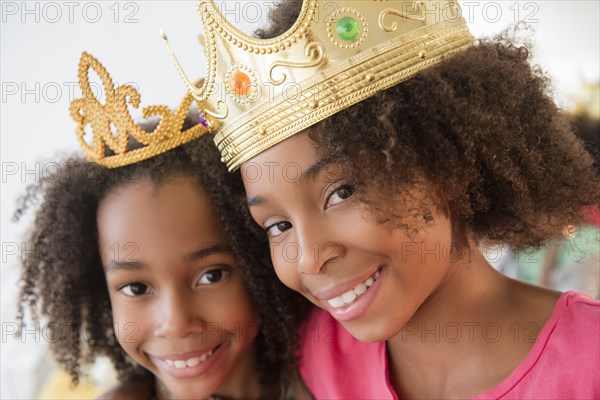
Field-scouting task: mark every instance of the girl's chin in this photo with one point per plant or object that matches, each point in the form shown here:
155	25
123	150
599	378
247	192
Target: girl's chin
184	391
372	332
366	335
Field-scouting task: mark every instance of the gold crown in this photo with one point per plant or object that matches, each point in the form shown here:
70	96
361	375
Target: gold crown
113	130
336	54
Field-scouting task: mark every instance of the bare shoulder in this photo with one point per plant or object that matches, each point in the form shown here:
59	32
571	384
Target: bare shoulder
520	312
130	390
530	303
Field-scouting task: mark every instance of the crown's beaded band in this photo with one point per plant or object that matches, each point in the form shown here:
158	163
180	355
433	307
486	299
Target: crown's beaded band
344	85
89	111
336	54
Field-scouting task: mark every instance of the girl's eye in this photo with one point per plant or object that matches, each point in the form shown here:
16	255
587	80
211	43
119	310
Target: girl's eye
278	228
340	194
213	276
135	289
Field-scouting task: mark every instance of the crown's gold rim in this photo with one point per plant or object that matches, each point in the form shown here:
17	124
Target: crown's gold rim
327	79
412	42
113	127
214	19
276	121
144	153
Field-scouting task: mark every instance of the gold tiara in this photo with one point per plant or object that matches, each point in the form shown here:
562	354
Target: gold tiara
116	140
336	54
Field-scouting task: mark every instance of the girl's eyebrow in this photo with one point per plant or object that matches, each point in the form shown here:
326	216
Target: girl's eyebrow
208	250
254	201
125	265
314	169
310	173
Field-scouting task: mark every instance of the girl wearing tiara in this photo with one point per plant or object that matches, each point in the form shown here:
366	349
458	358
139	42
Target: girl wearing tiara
143	256
383	226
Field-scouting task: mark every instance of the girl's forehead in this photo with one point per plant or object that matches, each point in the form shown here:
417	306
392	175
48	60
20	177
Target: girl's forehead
298	147
175	210
288	161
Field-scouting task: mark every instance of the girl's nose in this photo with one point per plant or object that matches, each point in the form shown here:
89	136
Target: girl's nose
315	249
177	315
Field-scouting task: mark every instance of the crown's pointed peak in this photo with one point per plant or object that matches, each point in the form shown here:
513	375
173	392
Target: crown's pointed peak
113	127
214	21
334	55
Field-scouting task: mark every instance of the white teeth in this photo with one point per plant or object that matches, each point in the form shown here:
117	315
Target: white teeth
349	296
336	302
352	294
360	288
190	362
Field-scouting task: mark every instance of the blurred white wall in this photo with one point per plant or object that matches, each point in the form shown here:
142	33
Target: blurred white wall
40	45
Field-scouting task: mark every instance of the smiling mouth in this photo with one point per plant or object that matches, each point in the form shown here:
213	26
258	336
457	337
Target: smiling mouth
347	298
192	361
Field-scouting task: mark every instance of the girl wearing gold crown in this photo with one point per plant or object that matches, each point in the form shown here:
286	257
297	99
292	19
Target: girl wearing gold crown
405	151
141	255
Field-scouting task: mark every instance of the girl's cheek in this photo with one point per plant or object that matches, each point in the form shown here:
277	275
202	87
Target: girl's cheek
123	312
287	275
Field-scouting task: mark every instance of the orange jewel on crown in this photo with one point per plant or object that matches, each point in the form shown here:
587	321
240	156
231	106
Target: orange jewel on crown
241	83
336	54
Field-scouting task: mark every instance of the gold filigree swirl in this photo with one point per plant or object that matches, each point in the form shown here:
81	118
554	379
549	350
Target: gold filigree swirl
313	50
390	11
113	128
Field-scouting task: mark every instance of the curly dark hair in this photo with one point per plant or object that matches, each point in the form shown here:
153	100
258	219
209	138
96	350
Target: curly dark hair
588	130
63	278
480	130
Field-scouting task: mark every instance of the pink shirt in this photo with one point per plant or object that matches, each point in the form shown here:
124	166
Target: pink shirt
592	214
564	363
